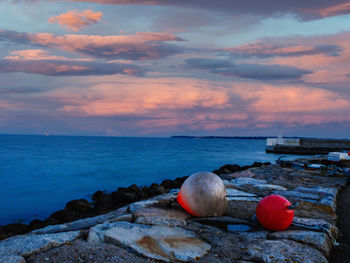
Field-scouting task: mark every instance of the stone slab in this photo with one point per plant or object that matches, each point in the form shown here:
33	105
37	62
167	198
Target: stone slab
230	192
86	223
157	242
12	259
270	251
318	240
242	207
25	245
160	216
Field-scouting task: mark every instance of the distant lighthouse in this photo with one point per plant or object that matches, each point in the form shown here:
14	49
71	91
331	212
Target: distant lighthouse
280	140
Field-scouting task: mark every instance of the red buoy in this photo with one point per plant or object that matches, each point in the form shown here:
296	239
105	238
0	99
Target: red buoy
273	212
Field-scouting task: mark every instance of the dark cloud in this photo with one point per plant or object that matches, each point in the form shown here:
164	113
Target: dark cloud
67	68
19	90
270	49
141	46
248	71
310	9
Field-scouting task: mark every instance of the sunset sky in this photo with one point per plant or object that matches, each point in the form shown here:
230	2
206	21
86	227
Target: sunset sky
175	67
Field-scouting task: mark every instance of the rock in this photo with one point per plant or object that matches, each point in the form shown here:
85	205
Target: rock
331	191
26	245
227	169
165	198
121	197
237	193
310	205
12	259
14	229
298	195
81	251
102	201
169	184
311	224
254	186
318	240
242	207
269	251
159	216
262	234
35	224
79	205
156	189
118	215
158	242
247	181
246	173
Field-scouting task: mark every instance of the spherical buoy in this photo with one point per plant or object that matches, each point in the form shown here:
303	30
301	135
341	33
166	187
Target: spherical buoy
274	212
203	194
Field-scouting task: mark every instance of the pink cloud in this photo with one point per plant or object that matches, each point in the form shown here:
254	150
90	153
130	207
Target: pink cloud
75	20
141	46
334	10
39	54
272	48
37	61
178	103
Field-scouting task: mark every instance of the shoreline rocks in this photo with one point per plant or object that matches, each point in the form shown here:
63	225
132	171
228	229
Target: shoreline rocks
158	229
103	202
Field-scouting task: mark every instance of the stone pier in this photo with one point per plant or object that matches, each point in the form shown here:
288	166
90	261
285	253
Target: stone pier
159	230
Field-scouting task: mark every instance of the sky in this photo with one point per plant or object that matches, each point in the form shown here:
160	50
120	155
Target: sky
175	67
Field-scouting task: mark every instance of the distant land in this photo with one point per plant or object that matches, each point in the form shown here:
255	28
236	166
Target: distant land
224	137
243	137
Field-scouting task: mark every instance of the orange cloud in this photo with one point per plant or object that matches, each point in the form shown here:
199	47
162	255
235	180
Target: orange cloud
75	20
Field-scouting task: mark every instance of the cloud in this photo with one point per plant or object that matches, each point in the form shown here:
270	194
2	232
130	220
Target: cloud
179	103
44	64
303	9
333	10
265	49
39	54
141	46
20	90
75	20
248	71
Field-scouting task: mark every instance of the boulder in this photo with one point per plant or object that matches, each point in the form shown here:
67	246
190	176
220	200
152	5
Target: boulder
79	205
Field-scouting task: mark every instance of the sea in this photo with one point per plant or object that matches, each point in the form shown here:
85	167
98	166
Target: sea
40	174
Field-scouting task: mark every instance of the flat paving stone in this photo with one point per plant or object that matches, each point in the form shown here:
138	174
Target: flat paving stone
157	242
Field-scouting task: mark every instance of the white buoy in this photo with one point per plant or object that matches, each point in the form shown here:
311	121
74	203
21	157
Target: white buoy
203	194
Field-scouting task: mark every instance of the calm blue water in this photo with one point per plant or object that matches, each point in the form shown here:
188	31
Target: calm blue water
39	174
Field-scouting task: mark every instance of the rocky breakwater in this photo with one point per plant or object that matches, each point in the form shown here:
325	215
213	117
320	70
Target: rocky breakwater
159	230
